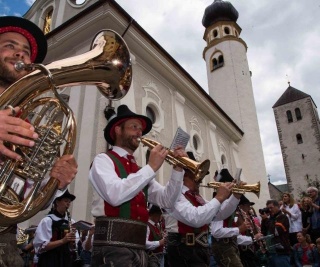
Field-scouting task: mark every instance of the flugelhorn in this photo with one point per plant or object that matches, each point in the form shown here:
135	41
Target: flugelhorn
107	66
241	189
198	169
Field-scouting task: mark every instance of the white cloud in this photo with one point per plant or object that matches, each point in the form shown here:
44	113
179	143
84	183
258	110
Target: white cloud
30	2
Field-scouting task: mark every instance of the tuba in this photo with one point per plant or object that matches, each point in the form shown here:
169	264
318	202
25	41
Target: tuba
107	66
199	169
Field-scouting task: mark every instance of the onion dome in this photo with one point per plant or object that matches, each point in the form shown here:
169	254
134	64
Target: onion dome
219	11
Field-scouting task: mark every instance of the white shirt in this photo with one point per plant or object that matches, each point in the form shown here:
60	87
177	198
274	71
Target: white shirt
295	219
188	214
43	233
109	187
218	231
151	245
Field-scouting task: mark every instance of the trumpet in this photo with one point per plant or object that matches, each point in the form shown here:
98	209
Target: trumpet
241	189
198	169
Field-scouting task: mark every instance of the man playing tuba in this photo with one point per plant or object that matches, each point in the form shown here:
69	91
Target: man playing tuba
21	40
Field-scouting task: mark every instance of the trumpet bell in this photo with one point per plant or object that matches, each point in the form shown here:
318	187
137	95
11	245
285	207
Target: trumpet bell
241	189
198	169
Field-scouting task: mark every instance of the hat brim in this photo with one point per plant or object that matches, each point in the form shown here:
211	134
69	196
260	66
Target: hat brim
66	195
36	38
108	131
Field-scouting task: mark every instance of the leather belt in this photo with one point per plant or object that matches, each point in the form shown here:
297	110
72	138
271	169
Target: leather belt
225	240
190	239
112	231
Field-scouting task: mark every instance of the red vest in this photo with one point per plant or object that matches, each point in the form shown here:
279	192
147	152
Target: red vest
137	207
183	228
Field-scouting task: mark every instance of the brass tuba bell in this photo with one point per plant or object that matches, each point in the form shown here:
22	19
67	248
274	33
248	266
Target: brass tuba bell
108	66
199	169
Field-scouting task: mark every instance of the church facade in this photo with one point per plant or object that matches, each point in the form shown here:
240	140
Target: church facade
223	125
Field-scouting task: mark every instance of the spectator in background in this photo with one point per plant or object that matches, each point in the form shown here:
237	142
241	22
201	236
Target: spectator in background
303	251
277	225
306	213
314	203
292	211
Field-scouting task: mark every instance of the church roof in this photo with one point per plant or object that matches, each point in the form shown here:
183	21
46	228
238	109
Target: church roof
290	95
219	11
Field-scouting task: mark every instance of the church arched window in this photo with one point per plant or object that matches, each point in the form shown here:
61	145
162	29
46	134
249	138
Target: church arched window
289	116
217	60
220	61
298	114
299	139
47	22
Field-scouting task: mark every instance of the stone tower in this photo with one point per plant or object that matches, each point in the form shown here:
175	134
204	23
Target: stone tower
298	128
229	82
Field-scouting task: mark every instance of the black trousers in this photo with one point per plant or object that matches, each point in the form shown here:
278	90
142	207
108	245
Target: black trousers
188	256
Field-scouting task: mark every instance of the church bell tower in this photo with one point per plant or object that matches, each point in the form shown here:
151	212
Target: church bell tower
230	86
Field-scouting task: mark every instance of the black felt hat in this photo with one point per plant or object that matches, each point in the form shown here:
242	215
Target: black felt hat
244	200
123	114
66	194
35	37
225	176
191	156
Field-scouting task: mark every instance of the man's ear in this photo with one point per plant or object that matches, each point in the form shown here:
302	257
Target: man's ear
117	130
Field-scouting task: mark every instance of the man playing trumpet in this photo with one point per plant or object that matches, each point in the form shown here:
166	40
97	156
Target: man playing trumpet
187	222
122	190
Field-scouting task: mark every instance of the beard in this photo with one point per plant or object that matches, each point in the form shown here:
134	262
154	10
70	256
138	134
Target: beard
7	76
129	141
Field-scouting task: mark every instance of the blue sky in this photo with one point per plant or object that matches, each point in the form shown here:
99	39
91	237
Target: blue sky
14	7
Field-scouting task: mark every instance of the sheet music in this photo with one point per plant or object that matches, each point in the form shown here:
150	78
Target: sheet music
181	138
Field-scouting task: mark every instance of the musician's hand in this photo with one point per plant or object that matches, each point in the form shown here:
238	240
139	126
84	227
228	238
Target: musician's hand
64	170
179	152
257	236
16	131
162	242
69	237
157	157
224	191
238	195
244	227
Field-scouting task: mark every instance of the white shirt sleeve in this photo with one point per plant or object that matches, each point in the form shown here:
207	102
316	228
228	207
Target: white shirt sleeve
166	196
218	231
186	213
151	245
244	240
43	234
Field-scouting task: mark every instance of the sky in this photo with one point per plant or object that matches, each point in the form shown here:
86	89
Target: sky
283	39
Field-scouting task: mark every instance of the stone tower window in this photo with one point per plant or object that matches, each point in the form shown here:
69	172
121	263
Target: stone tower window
289	116
299	139
215	33
298	114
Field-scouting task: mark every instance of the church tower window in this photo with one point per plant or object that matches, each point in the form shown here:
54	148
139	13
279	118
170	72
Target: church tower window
299	139
289	116
298	114
226	30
